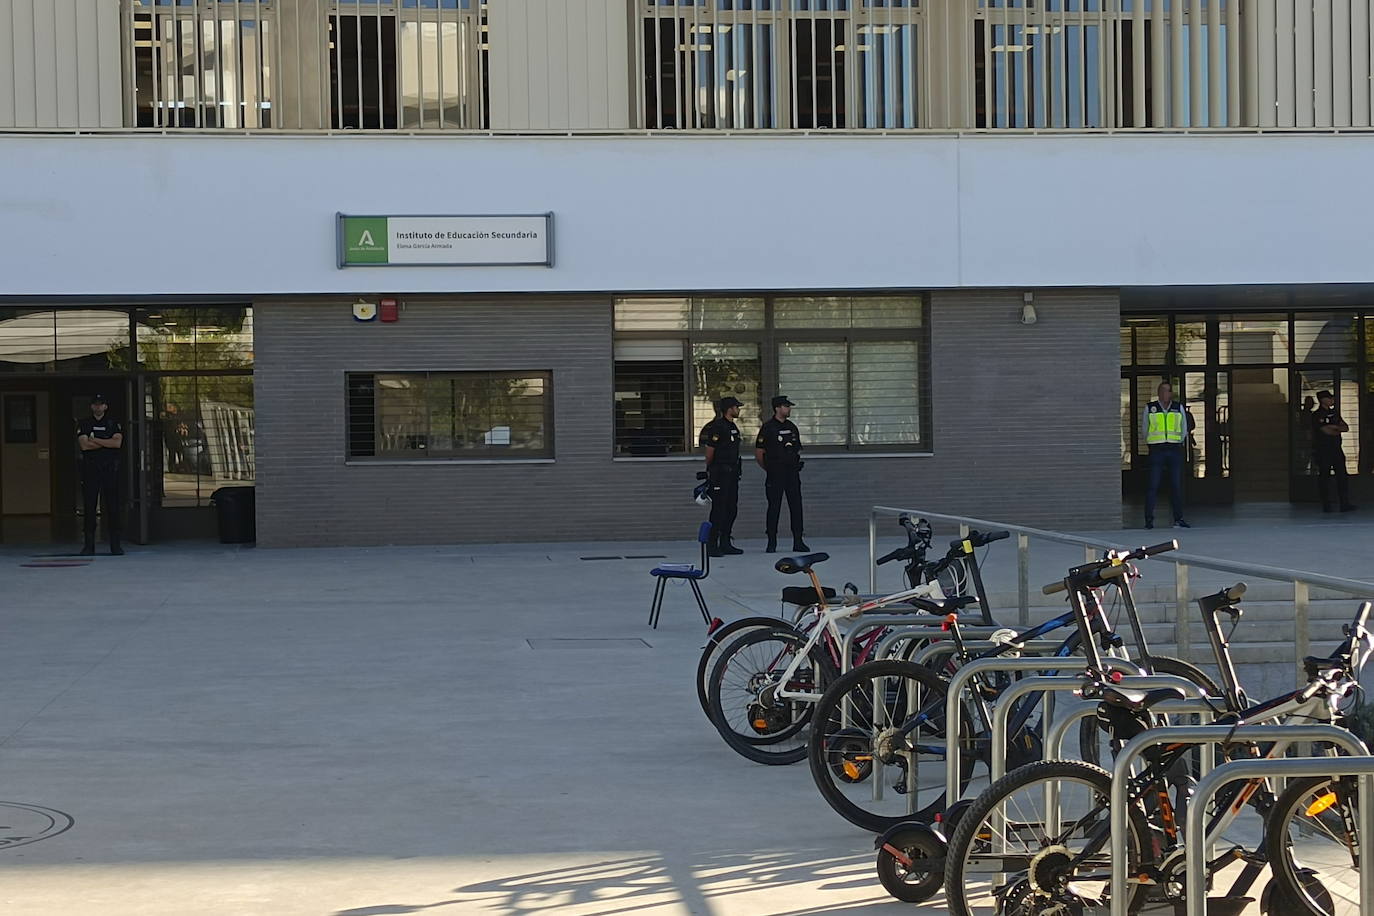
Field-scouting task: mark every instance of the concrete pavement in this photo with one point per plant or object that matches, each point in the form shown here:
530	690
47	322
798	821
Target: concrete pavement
486	729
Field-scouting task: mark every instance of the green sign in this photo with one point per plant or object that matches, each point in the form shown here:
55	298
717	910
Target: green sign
364	239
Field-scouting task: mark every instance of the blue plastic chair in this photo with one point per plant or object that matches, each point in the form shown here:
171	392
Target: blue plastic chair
692	574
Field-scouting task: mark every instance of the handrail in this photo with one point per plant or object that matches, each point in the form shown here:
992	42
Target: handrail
1301	580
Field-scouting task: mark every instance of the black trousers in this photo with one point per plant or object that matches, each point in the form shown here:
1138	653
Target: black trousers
1165	460
1331	463
724	505
780	483
100	484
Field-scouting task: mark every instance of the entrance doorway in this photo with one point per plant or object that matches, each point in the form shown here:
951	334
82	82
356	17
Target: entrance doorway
1249	380
40	473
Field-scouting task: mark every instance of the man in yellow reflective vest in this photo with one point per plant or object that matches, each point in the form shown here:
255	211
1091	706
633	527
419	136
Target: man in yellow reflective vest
1165	427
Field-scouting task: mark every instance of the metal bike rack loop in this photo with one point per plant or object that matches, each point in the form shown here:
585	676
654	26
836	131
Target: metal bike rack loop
948	647
875	621
1001	710
1057	735
959	680
1201	735
1361	767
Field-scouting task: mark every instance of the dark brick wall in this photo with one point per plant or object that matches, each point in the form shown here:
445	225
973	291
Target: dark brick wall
1025	427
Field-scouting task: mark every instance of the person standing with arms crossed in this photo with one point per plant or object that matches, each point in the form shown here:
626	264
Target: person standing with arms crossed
777	449
720	439
1165	426
1327	455
100	438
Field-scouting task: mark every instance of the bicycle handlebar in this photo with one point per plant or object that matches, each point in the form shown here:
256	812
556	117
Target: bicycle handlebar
977	538
1101	572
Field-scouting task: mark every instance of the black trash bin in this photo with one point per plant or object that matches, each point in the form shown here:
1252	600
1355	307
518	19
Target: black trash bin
237	514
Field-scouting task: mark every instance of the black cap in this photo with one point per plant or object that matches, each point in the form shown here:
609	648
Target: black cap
98	399
726	403
781	401
1325	394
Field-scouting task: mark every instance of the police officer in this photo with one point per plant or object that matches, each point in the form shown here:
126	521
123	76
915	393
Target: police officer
100	438
1165	427
777	450
1327	454
720	439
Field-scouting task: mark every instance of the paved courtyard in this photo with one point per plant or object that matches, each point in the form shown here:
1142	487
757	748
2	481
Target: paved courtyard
485	729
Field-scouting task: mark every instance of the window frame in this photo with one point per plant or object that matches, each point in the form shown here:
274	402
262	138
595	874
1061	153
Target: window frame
542	456
768	339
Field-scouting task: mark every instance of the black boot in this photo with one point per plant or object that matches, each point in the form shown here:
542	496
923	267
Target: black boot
772	544
115	549
799	545
727	548
88	550
717	546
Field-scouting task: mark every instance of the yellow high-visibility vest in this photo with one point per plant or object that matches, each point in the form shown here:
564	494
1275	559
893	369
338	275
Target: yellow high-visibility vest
1166	427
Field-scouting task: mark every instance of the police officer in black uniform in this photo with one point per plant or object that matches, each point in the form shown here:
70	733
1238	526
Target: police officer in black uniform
777	449
1327	454
720	439
100	437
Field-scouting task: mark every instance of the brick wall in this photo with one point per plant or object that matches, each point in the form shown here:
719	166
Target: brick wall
1025	428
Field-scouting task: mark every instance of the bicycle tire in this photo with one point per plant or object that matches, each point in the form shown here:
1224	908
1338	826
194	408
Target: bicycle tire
711	651
1311	881
972	829
786	743
845	698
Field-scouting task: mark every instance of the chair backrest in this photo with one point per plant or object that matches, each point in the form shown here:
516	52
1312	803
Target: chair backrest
704	537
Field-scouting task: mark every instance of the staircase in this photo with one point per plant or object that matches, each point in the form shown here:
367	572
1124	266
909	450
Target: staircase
1259	436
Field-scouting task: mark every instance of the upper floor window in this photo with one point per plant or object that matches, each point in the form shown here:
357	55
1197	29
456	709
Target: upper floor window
201	63
412	64
781	63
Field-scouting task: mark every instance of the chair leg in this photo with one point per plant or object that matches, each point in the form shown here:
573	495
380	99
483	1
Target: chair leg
701	602
657	605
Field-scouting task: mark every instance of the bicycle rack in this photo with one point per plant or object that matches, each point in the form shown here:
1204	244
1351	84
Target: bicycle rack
1203	735
1001	710
947	647
921	631
959	680
1361	767
1057	735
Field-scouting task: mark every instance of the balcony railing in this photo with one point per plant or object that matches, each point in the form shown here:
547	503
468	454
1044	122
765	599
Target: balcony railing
694	65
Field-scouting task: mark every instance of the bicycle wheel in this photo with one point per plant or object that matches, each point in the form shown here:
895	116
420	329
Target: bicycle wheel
1009	856
1308	839
743	698
877	747
1092	742
910	866
711	651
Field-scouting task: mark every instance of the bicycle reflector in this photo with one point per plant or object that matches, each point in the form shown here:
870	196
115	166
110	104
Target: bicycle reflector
1321	804
1115	677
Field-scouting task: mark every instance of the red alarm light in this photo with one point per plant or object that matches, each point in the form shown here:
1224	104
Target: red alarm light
389	311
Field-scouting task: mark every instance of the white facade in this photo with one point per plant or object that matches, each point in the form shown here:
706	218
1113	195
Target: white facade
132	215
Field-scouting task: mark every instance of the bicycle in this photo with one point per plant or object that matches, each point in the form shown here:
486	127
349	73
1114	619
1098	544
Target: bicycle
760	693
1014	853
804	599
875	717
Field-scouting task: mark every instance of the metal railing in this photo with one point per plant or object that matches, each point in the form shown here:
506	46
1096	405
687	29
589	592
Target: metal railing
1302	582
900	65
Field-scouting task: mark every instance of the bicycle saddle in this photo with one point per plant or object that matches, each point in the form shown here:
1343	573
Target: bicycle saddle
801	563
1139	700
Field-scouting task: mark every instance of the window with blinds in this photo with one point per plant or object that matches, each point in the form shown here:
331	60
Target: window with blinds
854	365
435	415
